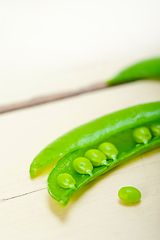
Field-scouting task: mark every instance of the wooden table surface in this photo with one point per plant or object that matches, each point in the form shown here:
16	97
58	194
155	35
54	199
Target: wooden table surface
95	212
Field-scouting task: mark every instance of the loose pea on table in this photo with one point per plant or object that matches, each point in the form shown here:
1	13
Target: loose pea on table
129	195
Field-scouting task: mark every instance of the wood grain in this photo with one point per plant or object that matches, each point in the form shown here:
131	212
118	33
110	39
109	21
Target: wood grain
50	98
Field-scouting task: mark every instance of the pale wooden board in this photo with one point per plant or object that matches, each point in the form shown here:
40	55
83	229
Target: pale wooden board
95	212
20	87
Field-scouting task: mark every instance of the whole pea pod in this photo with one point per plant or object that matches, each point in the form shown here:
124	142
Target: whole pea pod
148	69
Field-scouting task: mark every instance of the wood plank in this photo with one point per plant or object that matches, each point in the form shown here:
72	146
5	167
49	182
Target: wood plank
95	211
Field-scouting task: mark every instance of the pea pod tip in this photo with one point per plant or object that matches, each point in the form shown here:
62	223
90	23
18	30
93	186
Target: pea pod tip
32	172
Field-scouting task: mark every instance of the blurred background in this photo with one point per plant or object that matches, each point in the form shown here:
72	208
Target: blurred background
47	46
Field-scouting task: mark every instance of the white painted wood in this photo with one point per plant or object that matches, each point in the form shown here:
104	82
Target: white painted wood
94	212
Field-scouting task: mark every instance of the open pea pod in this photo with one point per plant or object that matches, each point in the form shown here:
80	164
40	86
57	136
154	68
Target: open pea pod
98	146
125	134
95	132
148	69
65	165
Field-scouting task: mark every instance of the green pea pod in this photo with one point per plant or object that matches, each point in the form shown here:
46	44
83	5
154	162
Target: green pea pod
149	69
127	148
96	132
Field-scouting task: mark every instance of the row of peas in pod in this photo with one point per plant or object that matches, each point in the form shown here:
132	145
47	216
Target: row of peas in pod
106	150
84	165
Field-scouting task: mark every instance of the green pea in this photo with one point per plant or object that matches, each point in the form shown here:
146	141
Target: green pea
65	180
96	157
109	150
155	128
142	135
83	165
129	195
